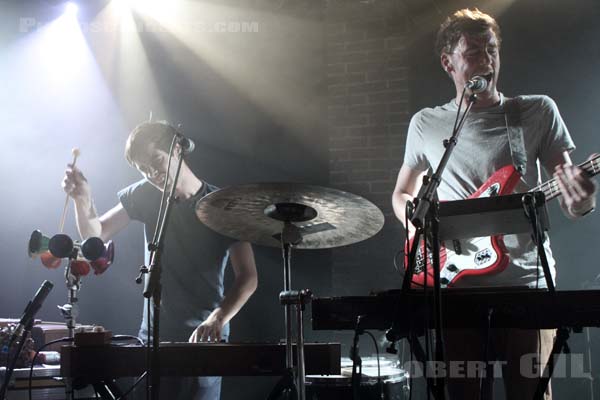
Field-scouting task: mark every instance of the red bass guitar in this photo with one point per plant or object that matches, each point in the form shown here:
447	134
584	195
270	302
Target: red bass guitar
481	255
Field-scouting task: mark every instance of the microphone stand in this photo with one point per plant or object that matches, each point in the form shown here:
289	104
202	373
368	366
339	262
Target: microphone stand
22	331
356	360
530	204
153	287
425	219
70	310
13	361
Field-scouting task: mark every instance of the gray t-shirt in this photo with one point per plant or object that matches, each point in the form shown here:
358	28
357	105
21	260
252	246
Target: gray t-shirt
482	149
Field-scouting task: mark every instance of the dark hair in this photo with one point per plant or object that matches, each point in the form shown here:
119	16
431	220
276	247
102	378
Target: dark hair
465	21
159	133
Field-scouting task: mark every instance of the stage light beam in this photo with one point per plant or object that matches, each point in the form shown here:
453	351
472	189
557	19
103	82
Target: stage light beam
155	8
71	8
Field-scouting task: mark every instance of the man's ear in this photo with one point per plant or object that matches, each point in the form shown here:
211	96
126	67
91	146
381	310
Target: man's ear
446	63
177	150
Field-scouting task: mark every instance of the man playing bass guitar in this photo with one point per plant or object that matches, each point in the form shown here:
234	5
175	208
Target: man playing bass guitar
468	44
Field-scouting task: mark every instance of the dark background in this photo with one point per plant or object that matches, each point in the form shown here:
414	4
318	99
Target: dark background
271	121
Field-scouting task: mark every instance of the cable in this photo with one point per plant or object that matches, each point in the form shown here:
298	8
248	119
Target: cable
427	344
427	334
137	381
4	388
64	339
379	382
148	349
67	339
407	247
118	338
396	266
410	376
458	113
406	235
462	96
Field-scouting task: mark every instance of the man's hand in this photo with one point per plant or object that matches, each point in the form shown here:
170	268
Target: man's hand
75	184
210	330
244	284
577	188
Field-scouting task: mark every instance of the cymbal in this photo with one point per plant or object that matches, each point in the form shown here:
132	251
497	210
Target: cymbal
256	213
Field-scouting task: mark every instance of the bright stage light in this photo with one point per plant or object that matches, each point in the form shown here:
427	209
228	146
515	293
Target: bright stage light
122	5
71	8
154	8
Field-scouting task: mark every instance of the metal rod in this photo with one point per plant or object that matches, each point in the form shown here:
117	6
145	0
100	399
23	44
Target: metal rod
287	284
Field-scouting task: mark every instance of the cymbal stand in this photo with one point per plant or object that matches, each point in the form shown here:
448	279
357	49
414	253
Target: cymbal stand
291	236
298	298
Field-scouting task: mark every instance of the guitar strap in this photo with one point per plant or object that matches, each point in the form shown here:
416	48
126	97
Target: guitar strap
514	129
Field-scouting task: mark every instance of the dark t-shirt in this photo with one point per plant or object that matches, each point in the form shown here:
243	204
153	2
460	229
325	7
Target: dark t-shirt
193	260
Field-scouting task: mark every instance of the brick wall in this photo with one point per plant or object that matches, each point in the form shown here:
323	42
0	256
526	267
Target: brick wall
367	119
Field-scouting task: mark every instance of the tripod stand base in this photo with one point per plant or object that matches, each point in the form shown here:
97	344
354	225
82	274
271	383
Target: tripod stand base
285	388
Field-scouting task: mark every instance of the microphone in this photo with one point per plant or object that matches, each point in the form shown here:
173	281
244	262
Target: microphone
32	308
476	84
187	145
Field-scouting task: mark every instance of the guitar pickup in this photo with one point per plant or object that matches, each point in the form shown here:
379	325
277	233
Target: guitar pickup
457	247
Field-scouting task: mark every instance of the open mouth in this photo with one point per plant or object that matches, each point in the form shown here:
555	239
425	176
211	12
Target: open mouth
488	77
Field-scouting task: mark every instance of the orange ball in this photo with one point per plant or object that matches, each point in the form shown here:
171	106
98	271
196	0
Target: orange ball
49	260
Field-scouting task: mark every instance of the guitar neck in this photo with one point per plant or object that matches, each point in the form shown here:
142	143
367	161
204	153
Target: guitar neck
551	189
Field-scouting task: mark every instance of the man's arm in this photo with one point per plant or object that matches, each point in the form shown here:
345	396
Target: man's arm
113	221
86	217
577	188
244	284
407	187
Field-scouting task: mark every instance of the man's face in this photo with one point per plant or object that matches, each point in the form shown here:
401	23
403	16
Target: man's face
475	55
153	166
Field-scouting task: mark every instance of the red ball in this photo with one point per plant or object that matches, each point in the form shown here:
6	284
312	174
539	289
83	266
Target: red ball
80	268
49	260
